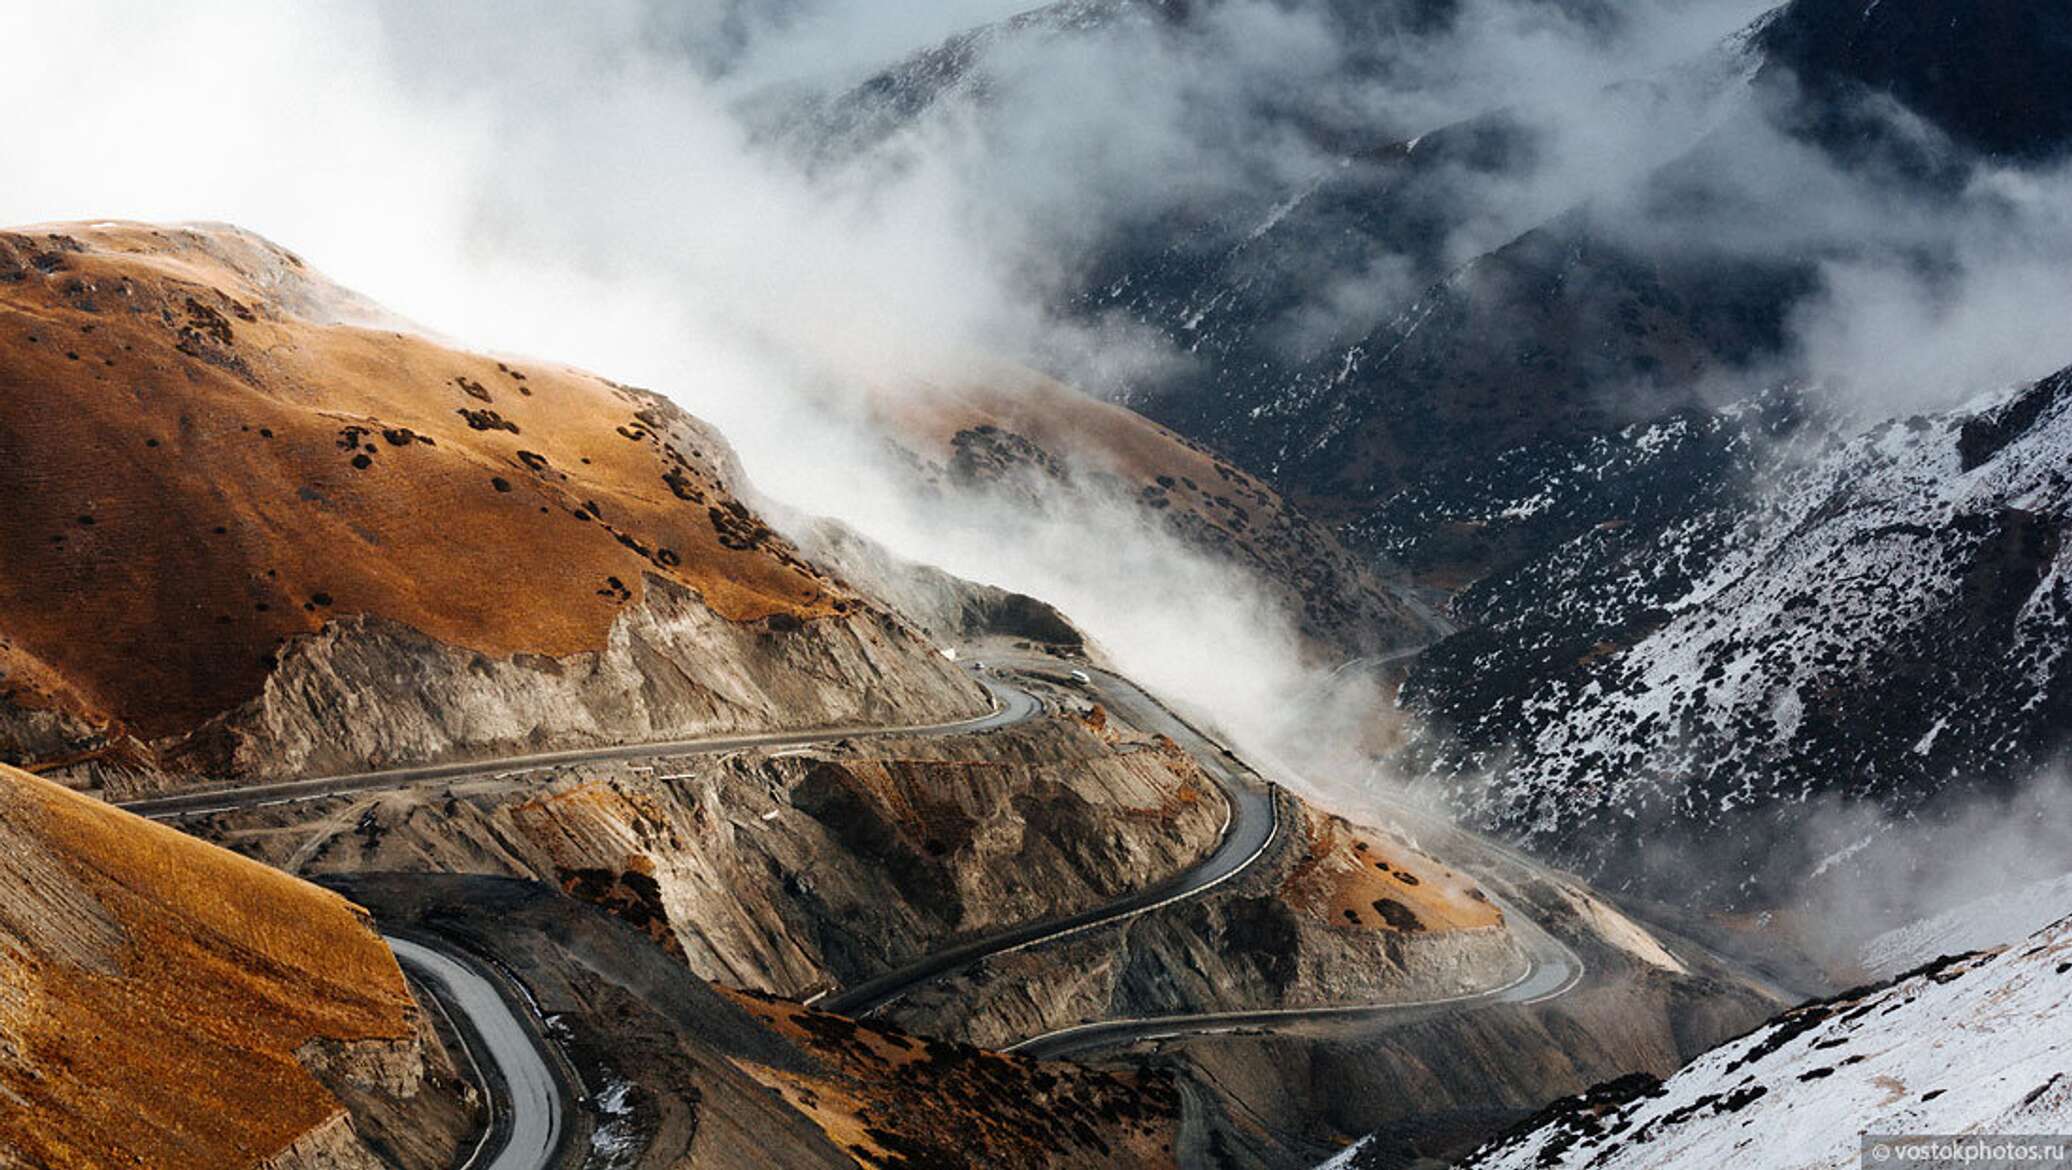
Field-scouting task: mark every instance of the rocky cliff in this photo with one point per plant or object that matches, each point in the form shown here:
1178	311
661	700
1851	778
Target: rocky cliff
790	872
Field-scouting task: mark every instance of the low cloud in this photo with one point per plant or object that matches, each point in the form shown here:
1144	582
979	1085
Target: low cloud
581	186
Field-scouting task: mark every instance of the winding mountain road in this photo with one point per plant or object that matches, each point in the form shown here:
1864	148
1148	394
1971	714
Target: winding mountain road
530	1091
1551	969
1254	821
1551	966
525	1089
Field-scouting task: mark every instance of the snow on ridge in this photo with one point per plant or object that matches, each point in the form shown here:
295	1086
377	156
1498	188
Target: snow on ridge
1977	1044
1866	544
1987	922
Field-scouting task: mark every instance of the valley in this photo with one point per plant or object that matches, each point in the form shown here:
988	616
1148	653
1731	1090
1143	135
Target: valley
1152	585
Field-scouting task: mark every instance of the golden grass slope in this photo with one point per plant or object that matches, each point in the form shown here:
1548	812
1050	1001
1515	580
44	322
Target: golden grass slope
200	459
1353	878
1005	426
154	990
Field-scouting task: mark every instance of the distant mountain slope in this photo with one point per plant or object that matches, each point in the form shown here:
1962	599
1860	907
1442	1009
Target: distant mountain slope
157	995
1988	922
1963	1046
1342	345
1015	434
1994	74
1878	619
230	487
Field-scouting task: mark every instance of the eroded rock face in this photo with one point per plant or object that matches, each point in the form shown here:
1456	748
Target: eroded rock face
330	1146
367	693
1277	937
793	872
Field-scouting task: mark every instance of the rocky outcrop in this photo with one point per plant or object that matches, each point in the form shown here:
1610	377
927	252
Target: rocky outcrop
370	693
332	1145
792	872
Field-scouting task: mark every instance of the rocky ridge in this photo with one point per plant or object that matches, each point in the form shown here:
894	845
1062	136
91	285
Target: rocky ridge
1959	1046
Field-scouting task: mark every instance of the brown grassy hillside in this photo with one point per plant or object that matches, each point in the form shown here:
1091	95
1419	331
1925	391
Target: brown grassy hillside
1008	429
201	460
154	990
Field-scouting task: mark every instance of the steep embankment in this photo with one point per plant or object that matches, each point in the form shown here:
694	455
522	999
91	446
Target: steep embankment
1329	915
794	871
688	1075
157	996
236	501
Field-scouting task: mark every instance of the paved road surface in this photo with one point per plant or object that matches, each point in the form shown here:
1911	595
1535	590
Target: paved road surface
1551	969
527	1118
1253	823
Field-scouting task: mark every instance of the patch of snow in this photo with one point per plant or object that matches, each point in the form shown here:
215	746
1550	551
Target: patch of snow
615	1142
1988	922
1980	1046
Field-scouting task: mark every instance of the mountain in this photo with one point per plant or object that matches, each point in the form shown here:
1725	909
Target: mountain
1017	438
241	500
1995	76
1954	1047
1341	346
1656	650
1981	924
1874	619
164	1002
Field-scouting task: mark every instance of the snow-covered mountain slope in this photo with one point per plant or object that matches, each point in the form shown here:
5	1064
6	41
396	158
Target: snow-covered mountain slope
1975	1044
1987	922
1367	330
1880	619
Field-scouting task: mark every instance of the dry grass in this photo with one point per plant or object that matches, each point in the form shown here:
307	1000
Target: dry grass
171	1041
1358	879
1096	436
896	1100
201	465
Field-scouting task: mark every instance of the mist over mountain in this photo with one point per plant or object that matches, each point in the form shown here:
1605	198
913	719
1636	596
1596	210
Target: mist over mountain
1182	583
1554	354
